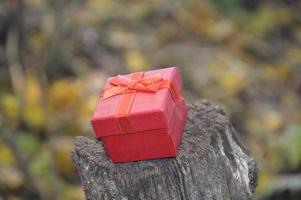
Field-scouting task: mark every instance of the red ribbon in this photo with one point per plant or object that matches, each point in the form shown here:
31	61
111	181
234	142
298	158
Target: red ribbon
128	87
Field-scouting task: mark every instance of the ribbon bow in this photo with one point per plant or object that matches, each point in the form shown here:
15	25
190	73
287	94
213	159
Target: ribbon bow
123	85
128	87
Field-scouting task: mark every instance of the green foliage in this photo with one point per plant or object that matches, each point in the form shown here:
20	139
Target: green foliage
261	21
27	142
227	6
41	163
292	142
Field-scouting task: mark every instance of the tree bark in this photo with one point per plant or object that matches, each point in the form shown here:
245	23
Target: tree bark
211	164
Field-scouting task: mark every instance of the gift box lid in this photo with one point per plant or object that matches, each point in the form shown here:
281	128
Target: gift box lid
148	110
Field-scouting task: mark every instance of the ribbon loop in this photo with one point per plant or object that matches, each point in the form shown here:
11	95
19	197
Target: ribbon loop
132	83
119	80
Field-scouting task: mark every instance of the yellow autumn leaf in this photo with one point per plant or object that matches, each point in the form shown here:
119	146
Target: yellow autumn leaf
74	193
62	147
273	120
102	6
198	18
135	61
232	82
6	155
33	116
284	70
88	107
32	90
33	113
64	94
265	179
10	106
85	112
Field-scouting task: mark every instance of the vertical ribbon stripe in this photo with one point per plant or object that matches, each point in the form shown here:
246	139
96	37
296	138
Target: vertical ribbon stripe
125	105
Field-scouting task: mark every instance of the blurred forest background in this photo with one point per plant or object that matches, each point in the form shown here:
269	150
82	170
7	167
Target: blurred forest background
56	54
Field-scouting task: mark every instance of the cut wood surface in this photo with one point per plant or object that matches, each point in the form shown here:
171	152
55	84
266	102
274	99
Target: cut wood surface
211	163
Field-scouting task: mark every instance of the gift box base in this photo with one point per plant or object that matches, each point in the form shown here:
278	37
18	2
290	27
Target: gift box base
151	124
145	145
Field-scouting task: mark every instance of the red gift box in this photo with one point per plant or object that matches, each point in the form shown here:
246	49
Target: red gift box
141	115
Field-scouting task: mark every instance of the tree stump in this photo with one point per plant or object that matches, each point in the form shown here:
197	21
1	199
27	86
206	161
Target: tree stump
211	164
